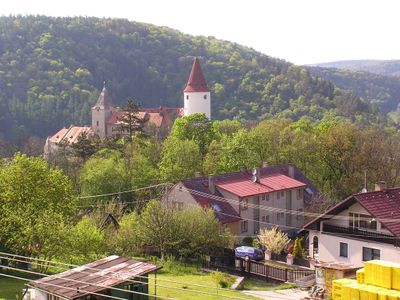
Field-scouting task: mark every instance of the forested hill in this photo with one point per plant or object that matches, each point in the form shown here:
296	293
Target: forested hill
383	67
379	90
52	70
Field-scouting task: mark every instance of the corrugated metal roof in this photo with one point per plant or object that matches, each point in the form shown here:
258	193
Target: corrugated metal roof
100	272
270	183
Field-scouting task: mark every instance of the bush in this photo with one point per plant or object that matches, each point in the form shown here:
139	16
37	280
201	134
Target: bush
222	280
298	251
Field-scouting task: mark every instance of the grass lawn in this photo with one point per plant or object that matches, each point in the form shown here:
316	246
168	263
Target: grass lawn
10	287
190	292
259	285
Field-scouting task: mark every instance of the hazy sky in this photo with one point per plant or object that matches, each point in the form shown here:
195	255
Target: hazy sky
300	31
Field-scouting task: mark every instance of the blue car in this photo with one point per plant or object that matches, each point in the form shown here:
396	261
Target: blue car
249	253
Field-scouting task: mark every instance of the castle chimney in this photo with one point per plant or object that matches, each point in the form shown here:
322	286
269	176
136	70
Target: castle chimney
380	186
211	184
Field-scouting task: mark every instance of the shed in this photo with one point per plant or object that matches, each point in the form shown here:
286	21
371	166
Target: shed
92	280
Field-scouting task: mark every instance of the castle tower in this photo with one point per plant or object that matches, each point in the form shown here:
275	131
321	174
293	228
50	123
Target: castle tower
100	113
197	96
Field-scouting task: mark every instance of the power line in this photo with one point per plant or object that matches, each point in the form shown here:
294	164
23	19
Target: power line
124	192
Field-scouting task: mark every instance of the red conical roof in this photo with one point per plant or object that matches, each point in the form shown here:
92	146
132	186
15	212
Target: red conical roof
196	82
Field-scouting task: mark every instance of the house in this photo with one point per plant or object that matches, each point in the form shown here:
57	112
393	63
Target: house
197	99
109	276
362	227
65	136
247	201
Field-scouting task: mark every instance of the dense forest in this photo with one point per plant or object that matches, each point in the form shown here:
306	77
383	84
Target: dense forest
380	90
383	67
52	70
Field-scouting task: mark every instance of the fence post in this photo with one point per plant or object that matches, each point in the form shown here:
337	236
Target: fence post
286	275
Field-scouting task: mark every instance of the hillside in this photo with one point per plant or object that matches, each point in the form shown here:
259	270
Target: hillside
52	69
380	90
383	67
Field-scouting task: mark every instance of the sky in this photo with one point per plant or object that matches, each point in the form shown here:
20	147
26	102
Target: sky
299	31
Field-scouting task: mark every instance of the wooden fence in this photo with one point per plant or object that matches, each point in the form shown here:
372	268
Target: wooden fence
253	268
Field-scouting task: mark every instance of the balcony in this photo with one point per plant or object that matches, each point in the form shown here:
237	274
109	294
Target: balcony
359	233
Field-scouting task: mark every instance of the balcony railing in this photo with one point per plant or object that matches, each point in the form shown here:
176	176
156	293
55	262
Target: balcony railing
359	233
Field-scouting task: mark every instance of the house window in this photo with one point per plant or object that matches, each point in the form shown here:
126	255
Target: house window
265	197
280	217
244	226
300	214
371	253
362	221
177	205
245	203
265	219
300	194
344	249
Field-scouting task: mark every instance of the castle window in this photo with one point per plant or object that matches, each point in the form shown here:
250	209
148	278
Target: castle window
97	122
187	97
205	97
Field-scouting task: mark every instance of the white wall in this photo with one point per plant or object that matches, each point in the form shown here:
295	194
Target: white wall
194	102
328	249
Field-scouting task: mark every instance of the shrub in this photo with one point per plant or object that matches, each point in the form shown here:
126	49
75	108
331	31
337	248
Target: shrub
273	239
298	251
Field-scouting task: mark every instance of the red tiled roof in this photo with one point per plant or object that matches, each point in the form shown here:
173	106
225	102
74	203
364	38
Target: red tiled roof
383	205
196	82
162	116
70	134
281	182
101	272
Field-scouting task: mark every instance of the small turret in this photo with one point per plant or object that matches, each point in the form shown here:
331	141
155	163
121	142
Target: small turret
197	96
100	113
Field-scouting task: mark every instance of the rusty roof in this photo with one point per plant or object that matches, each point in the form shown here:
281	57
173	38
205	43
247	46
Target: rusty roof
94	277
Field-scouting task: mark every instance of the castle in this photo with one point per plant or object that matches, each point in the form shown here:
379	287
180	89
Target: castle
197	99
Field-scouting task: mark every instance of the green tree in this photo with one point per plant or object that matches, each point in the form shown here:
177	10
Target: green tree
36	203
180	159
196	127
126	241
104	173
130	121
86	242
156	227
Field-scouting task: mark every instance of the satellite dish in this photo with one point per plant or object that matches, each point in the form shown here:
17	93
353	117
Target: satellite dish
254	178
254	171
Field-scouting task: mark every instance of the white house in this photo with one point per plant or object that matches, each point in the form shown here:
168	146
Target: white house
362	227
247	201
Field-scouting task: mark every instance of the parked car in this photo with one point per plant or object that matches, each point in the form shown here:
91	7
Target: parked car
249	253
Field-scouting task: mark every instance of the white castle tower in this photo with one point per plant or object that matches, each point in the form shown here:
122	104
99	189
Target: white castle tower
197	96
100	113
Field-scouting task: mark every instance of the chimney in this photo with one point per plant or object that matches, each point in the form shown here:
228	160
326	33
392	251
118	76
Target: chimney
291	171
211	184
197	174
265	164
258	174
380	186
